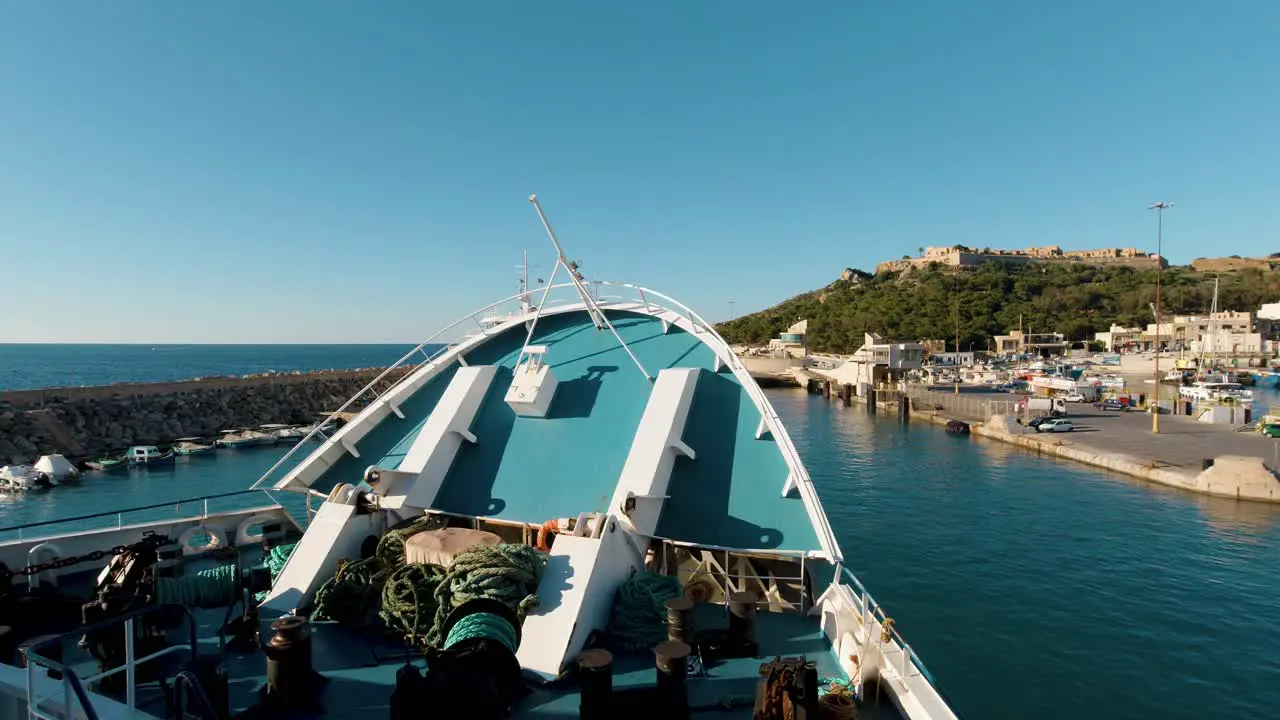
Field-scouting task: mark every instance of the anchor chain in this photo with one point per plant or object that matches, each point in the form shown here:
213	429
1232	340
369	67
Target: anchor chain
149	540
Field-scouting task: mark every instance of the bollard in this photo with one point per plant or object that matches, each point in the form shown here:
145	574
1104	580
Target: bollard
680	619
848	394
596	684
904	409
290	680
673	665
742	619
871	401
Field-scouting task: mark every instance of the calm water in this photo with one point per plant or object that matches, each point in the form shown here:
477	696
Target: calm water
37	366
1028	586
1031	586
187	477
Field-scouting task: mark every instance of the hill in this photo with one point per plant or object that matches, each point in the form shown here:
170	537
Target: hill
1073	299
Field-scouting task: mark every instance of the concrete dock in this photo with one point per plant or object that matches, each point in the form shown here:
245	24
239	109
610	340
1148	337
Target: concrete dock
1206	458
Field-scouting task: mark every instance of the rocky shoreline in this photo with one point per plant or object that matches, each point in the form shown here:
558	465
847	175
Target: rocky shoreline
94	421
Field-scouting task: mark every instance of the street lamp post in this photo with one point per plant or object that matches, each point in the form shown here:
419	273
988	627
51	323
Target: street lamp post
730	309
1159	207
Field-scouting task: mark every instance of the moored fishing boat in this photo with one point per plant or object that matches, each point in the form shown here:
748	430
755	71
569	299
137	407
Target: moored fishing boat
148	455
191	446
588	509
244	438
283	434
107	464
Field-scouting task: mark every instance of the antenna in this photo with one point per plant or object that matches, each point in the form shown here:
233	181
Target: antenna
572	268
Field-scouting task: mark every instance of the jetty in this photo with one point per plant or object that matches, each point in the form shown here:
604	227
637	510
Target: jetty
1206	458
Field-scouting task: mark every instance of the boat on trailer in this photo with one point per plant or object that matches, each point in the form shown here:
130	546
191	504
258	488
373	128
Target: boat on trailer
612	515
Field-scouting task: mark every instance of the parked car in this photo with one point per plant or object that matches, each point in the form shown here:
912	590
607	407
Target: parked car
1073	397
1056	425
1271	430
1111	404
1035	422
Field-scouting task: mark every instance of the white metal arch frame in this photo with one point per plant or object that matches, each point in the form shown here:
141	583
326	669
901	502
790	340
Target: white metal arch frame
631	298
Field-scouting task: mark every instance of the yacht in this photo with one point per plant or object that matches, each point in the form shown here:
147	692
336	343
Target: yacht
586	510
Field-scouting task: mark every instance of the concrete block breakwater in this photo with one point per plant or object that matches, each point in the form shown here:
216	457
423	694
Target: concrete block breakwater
92	421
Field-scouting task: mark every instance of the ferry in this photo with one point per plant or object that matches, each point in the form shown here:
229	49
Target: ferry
588	509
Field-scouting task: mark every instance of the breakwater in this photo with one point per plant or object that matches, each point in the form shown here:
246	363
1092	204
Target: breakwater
91	421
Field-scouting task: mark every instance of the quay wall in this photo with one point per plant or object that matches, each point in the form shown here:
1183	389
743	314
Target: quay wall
1230	476
92	421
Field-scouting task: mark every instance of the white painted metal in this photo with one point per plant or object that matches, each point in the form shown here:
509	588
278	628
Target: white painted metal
657	440
576	595
336	532
533	386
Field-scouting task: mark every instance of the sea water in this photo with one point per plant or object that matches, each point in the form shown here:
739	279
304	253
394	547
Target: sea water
1030	587
53	365
1034	587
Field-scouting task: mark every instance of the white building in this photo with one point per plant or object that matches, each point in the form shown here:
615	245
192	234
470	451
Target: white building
877	362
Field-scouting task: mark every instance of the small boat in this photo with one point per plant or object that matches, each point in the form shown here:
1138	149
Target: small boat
107	464
244	438
284	434
189	446
23	478
57	467
148	455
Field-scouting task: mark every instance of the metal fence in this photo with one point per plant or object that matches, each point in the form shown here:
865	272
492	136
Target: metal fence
973	406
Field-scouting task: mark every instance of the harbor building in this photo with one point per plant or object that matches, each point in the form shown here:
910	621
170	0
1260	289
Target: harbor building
1018	342
877	362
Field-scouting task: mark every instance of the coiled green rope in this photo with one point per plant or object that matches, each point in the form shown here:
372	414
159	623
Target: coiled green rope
408	599
208	588
638	619
353	595
507	573
483	625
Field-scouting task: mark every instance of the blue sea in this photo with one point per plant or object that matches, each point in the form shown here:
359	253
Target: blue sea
1031	587
26	367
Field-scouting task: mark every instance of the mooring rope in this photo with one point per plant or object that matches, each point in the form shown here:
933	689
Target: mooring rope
507	573
408	599
638	619
483	625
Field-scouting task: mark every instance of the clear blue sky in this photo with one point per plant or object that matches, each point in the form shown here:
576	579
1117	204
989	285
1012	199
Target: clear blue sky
210	171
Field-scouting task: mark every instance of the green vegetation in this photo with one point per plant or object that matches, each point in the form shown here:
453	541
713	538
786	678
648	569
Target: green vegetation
1071	298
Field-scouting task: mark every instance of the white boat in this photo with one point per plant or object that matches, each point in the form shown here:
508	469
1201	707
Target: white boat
57	467
23	478
283	434
1229	392
598	471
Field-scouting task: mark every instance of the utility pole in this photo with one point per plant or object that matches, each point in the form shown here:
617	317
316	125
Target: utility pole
730	309
956	366
1159	207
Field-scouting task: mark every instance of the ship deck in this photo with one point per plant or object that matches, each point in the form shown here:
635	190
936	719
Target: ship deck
530	470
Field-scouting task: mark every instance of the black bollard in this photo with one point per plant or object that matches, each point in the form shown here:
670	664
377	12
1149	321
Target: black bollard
904	408
673	665
848	394
742	621
680	619
596	684
871	401
290	680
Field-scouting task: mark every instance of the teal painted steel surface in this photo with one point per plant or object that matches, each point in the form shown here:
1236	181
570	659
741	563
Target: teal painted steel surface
534	469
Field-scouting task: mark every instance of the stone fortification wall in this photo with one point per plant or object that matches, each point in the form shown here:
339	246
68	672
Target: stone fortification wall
92	421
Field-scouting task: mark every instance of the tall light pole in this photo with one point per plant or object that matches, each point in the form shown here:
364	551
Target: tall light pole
730	309
1159	207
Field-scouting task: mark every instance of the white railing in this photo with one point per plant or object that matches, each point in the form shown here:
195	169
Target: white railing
653	303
